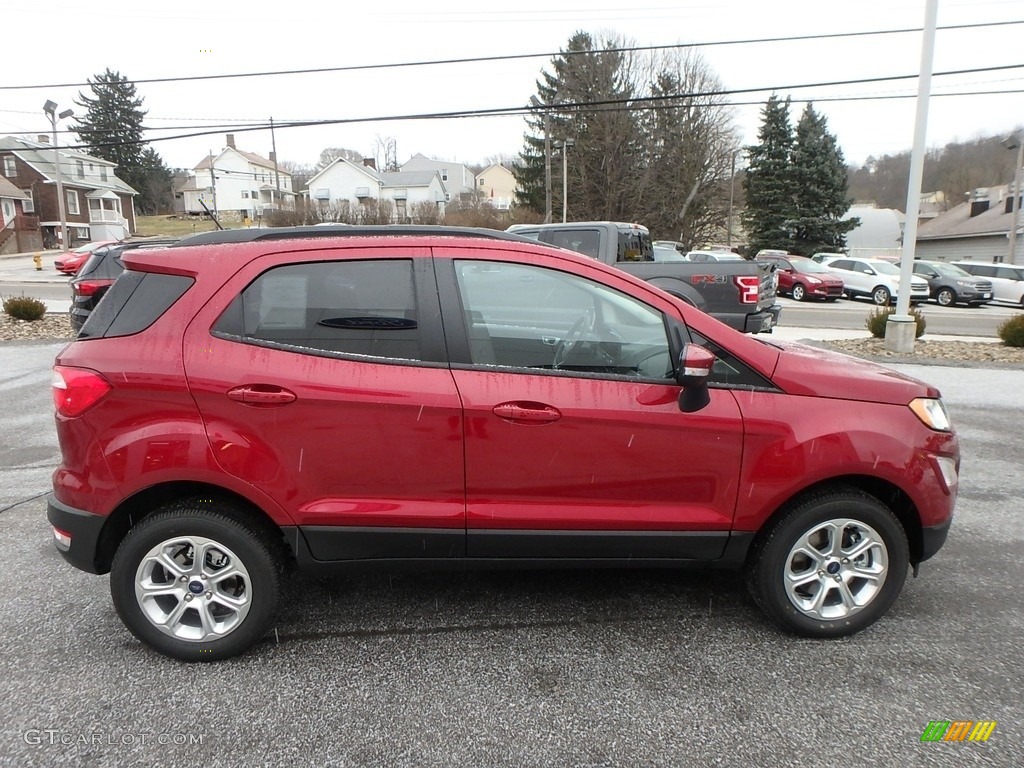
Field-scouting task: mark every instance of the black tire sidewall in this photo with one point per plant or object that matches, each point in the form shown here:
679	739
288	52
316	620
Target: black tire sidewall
767	576
264	576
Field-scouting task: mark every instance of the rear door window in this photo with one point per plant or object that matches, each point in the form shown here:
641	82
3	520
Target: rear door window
365	308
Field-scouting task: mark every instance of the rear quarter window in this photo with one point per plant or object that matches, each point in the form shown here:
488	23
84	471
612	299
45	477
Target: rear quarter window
134	303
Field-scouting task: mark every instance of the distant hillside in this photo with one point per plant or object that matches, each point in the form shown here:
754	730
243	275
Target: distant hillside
954	170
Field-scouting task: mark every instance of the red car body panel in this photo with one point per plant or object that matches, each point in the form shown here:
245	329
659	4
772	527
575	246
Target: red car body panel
72	261
427	446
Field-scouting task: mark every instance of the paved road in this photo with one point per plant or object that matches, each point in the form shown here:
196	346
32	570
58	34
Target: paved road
522	668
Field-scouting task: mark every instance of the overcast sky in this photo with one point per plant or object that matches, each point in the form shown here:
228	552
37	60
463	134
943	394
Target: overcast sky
66	42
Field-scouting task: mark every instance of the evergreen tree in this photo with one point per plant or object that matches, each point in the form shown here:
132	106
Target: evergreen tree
821	188
769	183
112	129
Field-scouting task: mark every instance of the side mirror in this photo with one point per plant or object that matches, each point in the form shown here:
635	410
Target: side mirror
692	374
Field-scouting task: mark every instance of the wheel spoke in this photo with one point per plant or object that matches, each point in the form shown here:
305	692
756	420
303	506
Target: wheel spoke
230	601
849	601
168	563
152	589
174	617
860	547
874	575
206	619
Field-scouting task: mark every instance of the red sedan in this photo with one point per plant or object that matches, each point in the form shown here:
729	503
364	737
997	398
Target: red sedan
803	278
69	263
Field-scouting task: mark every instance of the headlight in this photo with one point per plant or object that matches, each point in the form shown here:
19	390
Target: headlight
964	284
813	280
932	413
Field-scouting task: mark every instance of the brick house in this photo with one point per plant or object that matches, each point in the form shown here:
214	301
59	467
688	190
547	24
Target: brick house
99	206
19	232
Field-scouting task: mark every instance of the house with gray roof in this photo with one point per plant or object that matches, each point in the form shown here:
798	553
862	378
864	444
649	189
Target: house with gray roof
459	182
98	205
352	193
977	229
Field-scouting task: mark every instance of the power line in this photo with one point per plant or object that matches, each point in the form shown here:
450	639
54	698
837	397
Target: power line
643	102
515	57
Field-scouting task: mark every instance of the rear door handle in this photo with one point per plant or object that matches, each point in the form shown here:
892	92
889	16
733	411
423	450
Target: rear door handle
527	413
261	395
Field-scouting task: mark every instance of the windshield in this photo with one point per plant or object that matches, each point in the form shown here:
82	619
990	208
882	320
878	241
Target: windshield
810	267
884	268
949	270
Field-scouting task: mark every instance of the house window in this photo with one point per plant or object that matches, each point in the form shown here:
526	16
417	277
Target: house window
481	182
103	172
72	196
28	206
10	170
444	174
80	169
245	194
254	194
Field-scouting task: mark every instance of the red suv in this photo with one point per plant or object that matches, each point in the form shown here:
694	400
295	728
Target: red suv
802	278
252	402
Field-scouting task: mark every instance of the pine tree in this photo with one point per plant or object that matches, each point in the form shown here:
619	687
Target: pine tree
112	129
821	196
769	183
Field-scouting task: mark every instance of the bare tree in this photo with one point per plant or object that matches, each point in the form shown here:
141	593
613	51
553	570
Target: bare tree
330	154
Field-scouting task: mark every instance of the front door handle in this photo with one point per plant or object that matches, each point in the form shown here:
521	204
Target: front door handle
261	395
527	413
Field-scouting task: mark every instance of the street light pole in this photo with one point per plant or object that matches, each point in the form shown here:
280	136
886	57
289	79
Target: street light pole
565	144
1016	141
732	197
547	157
50	108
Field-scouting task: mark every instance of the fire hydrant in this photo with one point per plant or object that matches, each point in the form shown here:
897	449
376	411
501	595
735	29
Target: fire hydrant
37	258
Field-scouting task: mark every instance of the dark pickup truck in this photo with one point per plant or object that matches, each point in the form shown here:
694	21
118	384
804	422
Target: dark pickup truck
740	293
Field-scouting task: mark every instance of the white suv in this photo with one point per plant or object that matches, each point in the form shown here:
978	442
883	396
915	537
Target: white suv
1007	279
875	278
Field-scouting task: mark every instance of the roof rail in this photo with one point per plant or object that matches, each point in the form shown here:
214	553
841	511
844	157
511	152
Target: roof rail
342	230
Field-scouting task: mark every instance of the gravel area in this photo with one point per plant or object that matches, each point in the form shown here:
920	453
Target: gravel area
58	327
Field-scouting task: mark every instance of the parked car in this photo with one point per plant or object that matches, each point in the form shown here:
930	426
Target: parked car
69	263
877	279
98	274
1007	280
710	257
322	399
949	284
670	244
802	278
664	253
824	256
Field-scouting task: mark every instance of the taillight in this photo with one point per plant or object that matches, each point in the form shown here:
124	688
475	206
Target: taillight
75	390
89	287
750	286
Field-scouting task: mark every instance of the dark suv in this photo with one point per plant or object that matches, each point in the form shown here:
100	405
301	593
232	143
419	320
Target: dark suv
950	285
252	402
98	273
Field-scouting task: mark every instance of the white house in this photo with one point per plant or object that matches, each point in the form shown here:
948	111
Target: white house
347	185
457	178
237	181
497	186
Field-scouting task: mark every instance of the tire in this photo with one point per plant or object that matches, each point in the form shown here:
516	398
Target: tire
794	548
945	297
178	618
881	296
799	292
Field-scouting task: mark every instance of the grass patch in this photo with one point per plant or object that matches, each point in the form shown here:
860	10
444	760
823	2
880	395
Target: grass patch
171	226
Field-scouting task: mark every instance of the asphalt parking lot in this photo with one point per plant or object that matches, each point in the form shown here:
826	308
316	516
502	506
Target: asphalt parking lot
539	668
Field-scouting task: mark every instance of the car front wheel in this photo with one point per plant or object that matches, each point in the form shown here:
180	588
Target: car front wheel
830	566
196	581
945	297
881	296
799	294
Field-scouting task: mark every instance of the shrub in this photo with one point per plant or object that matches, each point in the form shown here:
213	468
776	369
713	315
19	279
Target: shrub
1012	331
24	308
877	319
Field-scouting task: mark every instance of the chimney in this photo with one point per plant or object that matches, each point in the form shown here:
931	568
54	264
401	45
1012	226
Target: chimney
43	138
979	201
273	157
369	162
231	140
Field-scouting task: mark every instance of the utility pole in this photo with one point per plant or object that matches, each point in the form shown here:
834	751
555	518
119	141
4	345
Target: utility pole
213	186
273	147
1016	141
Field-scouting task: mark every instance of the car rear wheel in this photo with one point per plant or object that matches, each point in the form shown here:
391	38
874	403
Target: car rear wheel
799	294
881	296
196	581
945	297
831	565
